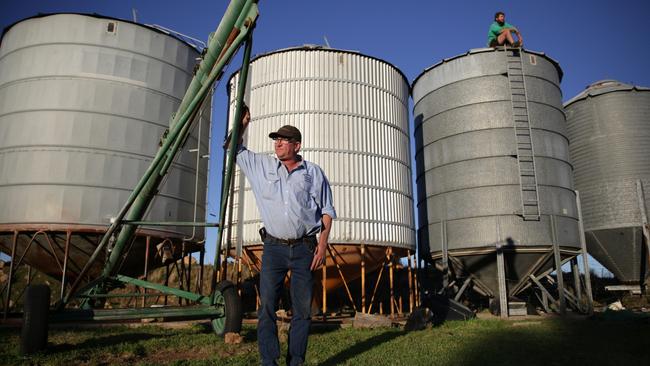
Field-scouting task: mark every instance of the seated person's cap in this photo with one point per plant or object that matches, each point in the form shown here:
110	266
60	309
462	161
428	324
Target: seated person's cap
287	131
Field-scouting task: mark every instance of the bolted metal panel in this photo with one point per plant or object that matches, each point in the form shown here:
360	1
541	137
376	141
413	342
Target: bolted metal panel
84	101
468	172
352	111
609	129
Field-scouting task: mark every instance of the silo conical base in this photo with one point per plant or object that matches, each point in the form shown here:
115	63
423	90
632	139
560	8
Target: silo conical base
519	264
526	272
622	251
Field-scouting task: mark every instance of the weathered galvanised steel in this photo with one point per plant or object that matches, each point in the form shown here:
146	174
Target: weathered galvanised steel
235	28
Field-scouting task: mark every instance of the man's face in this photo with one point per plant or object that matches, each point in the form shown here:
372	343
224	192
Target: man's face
501	18
286	149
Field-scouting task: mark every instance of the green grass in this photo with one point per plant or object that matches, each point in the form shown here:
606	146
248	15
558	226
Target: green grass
476	342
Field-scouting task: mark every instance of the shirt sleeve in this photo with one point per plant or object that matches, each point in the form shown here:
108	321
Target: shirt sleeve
323	194
494	30
252	164
245	161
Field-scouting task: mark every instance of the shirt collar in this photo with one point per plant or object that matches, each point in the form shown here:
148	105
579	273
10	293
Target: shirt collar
301	163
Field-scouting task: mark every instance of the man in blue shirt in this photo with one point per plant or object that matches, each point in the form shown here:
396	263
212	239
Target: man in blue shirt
501	32
295	201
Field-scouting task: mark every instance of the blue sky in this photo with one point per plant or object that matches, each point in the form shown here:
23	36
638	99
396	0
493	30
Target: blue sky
592	40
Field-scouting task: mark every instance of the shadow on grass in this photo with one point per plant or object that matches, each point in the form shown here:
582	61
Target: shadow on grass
107	341
361	347
558	342
324	328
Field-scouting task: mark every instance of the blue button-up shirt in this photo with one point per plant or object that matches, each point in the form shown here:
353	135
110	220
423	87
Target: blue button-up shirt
291	204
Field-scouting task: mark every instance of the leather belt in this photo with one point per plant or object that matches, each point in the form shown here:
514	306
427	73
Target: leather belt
305	238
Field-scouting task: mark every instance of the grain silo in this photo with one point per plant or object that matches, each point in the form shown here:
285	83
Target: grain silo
609	131
493	171
84	101
352	110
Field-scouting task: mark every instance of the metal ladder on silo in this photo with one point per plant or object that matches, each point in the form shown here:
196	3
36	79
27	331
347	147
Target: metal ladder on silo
523	134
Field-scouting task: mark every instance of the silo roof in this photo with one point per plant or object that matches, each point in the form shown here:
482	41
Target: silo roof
95	15
315	47
603	87
488	49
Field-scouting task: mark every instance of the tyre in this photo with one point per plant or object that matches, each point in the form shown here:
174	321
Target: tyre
228	297
33	335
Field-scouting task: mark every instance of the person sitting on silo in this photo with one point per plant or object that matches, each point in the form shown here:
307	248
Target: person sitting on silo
500	32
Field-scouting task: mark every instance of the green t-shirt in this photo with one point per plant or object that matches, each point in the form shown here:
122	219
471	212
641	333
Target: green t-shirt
495	29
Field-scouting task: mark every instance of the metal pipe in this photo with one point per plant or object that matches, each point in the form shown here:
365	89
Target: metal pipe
243	76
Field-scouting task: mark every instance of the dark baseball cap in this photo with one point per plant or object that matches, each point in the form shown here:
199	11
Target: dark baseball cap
287	131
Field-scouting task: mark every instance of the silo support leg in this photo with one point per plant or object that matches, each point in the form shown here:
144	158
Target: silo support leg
15	263
53	251
11	273
374	291
644	223
545	292
544	301
249	259
572	299
64	273
445	255
345	283
324	286
410	279
585	259
463	288
390	283
146	269
577	285
363	278
558	266
199	283
501	276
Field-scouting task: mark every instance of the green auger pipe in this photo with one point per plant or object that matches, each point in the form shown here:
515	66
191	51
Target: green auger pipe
141	203
200	79
229	27
148	184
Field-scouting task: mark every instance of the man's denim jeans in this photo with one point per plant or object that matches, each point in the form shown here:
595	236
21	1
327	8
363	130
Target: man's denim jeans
277	259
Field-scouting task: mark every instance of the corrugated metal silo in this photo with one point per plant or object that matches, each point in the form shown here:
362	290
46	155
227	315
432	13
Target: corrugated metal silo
84	100
353	113
493	166
609	130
